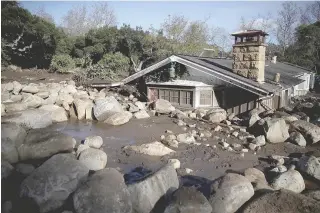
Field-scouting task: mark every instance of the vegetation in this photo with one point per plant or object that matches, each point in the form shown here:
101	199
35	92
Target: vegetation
97	47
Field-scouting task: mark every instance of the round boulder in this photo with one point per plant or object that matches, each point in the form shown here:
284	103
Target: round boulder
94	159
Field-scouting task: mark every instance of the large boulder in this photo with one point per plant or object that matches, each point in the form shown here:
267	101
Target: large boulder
50	185
105	107
253	119
32	118
291	180
257	178
16	87
49	144
7	87
58	114
283	201
6	169
163	106
146	193
119	118
15	106
188	200
105	191
30	88
32	101
9	151
80	107
310	131
14	132
154	149
69	89
62	97
216	115
310	165
275	130
94	159
229	193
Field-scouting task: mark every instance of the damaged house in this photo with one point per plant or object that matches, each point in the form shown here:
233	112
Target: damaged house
237	85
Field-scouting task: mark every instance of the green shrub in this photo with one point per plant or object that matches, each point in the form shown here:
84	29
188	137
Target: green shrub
62	63
117	62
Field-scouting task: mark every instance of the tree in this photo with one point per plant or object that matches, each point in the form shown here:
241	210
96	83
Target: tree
287	22
41	12
79	20
311	13
174	27
28	40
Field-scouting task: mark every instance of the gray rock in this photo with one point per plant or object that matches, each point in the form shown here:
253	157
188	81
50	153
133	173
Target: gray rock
14	132
133	108
8	87
32	118
9	151
14	107
80	107
257	178
310	131
3	109
16	98
63	97
310	165
6	169
276	130
69	89
283	201
298	139
25	169
17	87
229	193
58	114
7	207
146	193
89	109
188	200
259	141
31	88
140	105
186	138
94	159
119	118
216	115
253	119
44	94
141	114
50	185
53	143
106	107
105	191
154	149
163	106
290	180
93	141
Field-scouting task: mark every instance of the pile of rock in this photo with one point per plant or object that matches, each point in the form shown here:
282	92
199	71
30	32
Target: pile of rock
39	105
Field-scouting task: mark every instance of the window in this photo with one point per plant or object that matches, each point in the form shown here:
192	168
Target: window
206	97
176	97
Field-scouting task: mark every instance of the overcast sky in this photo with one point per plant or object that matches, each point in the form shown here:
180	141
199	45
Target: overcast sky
145	14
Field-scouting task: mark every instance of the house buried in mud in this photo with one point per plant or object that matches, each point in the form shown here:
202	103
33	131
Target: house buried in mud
239	85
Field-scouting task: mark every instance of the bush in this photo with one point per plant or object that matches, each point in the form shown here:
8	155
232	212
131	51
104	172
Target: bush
117	62
62	63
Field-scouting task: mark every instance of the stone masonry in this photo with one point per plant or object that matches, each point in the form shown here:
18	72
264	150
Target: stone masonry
249	61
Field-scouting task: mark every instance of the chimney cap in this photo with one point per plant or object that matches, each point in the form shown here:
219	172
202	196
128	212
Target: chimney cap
249	33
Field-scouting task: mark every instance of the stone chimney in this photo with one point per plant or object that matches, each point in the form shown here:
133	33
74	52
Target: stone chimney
249	54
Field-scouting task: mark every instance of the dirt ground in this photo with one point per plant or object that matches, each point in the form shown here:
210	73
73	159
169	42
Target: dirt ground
33	76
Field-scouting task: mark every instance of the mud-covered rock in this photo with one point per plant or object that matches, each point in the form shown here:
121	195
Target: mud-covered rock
188	200
50	185
14	132
186	138
141	114
229	193
146	193
48	145
6	169
163	106
119	118
310	165
105	191
216	115
15	106
94	141
310	131
58	114
275	130
9	151
154	149
30	88
297	138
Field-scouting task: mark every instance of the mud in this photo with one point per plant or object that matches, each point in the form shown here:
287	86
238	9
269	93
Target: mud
205	160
